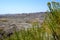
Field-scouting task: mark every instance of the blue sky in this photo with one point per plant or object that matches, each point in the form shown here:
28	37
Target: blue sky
23	6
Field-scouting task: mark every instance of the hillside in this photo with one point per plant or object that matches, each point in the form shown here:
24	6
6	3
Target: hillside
20	20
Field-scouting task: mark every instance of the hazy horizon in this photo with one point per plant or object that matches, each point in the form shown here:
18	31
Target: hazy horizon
23	6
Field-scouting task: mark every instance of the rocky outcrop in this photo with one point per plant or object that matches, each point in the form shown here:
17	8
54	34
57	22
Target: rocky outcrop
7	32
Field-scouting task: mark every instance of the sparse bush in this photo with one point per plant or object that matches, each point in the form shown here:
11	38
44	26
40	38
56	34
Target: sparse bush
3	20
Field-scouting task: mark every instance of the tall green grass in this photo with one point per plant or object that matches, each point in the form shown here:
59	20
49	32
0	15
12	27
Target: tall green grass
34	33
53	19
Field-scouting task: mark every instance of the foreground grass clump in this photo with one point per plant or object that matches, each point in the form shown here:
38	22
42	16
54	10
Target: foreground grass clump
34	33
53	19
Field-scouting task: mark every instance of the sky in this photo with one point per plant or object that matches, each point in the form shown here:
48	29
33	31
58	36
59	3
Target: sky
23	6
